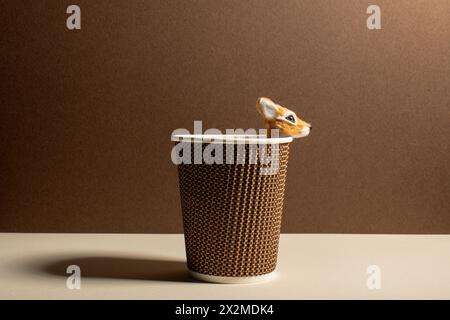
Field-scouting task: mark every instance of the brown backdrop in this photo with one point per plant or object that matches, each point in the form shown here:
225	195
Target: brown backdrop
86	115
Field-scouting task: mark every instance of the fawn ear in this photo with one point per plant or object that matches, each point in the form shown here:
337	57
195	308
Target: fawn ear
268	108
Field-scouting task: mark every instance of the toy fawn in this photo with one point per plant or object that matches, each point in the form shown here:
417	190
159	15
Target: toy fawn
278	117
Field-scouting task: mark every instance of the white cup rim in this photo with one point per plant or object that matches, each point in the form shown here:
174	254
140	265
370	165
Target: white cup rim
230	138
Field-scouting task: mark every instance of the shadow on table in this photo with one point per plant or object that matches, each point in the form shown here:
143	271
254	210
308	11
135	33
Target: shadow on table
122	268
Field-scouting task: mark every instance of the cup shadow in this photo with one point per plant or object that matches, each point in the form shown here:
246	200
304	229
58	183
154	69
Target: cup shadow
122	268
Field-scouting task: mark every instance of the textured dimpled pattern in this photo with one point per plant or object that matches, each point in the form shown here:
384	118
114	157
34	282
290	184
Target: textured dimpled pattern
232	214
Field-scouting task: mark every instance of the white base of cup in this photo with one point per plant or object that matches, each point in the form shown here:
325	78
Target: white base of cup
232	280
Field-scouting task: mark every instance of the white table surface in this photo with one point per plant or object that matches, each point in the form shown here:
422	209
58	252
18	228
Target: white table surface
152	266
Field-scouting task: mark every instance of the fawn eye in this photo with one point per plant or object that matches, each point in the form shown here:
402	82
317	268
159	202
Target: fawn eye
290	118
